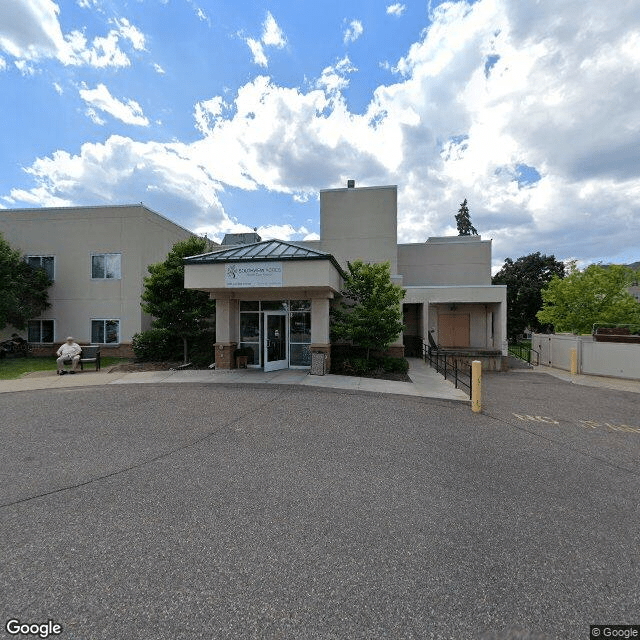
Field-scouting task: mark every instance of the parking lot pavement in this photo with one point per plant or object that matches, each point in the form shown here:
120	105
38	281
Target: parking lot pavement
263	511
600	422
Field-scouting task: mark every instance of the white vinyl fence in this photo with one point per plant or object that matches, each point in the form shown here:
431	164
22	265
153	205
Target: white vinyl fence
614	359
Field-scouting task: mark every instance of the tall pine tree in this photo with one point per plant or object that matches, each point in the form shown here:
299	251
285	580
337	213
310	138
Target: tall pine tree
463	220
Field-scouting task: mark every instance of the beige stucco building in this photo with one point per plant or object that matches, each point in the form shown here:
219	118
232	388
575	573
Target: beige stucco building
97	258
274	297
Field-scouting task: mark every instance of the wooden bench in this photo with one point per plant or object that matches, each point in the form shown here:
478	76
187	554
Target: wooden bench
88	355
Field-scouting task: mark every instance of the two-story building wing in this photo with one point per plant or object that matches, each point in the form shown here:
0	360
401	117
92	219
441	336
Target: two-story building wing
97	258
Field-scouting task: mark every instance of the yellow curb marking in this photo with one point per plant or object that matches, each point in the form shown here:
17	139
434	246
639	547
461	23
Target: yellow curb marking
587	424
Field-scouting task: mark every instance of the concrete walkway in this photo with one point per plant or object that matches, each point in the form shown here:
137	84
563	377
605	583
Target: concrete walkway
603	382
426	383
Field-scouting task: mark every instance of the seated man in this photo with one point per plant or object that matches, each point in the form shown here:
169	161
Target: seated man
70	350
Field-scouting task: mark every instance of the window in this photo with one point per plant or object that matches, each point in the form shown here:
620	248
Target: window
40	331
105	331
105	266
43	262
300	338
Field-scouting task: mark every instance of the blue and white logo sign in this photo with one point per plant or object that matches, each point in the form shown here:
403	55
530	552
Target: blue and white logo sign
253	274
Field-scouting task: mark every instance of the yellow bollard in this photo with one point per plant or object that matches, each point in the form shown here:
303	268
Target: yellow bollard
574	361
476	386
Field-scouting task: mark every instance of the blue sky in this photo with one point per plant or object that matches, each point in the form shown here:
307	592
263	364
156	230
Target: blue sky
228	115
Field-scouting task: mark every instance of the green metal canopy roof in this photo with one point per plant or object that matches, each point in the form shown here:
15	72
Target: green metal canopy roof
265	251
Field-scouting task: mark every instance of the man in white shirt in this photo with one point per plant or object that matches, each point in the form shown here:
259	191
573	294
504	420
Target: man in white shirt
70	350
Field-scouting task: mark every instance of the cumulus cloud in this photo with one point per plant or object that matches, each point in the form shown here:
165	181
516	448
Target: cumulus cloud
123	170
353	31
531	114
29	29
129	111
30	32
335	78
396	9
158	68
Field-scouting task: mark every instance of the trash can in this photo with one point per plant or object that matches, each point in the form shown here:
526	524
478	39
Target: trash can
318	363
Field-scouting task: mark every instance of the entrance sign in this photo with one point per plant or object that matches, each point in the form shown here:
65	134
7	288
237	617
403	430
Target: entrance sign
254	274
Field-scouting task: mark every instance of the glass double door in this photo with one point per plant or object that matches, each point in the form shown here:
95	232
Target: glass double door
275	341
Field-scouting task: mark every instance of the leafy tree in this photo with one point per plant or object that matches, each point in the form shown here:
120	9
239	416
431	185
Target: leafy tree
463	220
525	278
369	312
23	290
582	298
183	312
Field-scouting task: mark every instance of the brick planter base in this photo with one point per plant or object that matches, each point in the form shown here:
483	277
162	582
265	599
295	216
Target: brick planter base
224	355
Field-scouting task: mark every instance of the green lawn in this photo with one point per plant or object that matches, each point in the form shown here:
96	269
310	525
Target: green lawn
12	368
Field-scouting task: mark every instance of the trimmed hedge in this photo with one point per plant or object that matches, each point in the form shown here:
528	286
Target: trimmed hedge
351	360
161	345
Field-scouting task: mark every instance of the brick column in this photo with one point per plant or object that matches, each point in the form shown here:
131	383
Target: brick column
224	355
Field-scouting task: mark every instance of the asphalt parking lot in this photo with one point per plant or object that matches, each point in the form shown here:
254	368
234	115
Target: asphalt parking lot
194	511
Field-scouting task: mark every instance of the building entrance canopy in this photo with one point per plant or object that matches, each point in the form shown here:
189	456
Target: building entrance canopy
248	280
262	265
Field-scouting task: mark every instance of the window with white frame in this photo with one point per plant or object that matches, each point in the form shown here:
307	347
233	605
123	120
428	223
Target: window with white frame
105	331
43	262
105	266
40	331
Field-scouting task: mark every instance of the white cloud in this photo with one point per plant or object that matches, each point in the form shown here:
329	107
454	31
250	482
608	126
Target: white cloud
490	89
258	52
201	15
58	88
272	35
25	68
30	32
396	9
335	78
129	112
131	33
3	64
353	31
122	170
103	51
91	113
29	29
266	232
158	68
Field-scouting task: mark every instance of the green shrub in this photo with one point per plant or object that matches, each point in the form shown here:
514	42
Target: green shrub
202	351
161	345
395	365
157	345
351	360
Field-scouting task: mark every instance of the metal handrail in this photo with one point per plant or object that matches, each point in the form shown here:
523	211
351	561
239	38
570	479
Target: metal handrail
518	351
461	374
